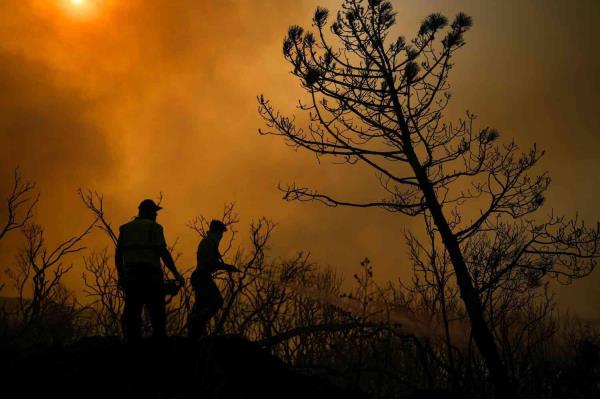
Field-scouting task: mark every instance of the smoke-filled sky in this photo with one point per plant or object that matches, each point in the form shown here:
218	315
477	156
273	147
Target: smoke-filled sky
136	97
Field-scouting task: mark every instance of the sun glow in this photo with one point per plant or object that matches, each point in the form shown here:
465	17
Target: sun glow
82	8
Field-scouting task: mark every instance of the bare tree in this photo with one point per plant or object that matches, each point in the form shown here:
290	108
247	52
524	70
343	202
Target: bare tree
380	101
100	277
100	280
20	204
39	276
520	311
94	201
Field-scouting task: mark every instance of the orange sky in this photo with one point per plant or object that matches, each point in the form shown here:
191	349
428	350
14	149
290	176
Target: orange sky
136	97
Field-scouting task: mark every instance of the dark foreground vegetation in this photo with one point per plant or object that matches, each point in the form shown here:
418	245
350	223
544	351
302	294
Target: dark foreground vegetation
288	328
104	367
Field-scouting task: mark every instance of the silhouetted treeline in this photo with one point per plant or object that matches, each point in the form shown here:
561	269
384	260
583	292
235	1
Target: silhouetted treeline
394	340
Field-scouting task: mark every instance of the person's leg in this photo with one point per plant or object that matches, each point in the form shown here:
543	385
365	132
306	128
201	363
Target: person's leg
131	320
155	301
212	303
208	301
197	317
215	299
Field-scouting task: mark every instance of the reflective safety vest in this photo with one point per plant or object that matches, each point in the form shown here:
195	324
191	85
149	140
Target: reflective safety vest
140	242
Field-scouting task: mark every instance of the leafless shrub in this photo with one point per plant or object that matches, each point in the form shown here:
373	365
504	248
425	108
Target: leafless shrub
37	279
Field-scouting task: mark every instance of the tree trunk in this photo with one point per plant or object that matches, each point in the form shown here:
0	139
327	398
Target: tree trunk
481	332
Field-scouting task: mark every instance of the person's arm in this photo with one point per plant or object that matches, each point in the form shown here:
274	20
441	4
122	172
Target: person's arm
219	264
166	257
209	258
229	268
119	257
226	267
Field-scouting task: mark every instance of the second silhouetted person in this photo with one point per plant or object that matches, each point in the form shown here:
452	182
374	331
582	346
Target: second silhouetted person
208	299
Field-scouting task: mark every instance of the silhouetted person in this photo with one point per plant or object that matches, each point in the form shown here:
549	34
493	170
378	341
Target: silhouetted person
208	298
140	247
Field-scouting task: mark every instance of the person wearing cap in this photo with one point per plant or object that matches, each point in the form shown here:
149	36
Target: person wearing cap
208	299
140	247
